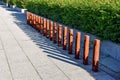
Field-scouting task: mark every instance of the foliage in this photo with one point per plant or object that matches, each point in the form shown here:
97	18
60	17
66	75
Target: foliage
18	3
5	1
99	17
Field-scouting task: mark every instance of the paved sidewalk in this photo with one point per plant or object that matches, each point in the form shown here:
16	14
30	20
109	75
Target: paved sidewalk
27	55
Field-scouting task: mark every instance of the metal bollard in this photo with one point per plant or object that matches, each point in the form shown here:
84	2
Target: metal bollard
32	19
59	35
41	25
44	27
77	45
51	30
70	42
65	38
37	22
96	55
28	19
55	32
86	49
47	29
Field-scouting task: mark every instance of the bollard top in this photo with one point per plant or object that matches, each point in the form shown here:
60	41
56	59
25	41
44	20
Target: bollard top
54	23
97	41
48	20
97	44
60	25
65	27
71	30
78	33
45	19
86	36
51	22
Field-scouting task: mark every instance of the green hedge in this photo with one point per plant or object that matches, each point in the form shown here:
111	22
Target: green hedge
5	1
99	17
18	3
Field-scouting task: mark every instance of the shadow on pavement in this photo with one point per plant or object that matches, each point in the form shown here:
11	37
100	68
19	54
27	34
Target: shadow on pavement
52	50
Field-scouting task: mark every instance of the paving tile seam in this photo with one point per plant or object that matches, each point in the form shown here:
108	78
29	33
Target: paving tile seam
1	44
59	68
7	59
6	55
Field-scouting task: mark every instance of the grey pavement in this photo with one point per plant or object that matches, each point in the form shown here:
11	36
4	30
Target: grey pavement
27	55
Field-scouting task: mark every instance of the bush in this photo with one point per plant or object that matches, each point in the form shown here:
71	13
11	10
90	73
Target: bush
18	3
99	17
5	1
21	3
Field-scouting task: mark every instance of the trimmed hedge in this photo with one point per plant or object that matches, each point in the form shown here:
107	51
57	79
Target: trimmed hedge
18	3
99	17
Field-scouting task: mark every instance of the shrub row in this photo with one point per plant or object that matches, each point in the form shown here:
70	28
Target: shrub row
99	17
18	3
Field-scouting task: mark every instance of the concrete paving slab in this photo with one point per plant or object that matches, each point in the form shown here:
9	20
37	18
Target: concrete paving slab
4	67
